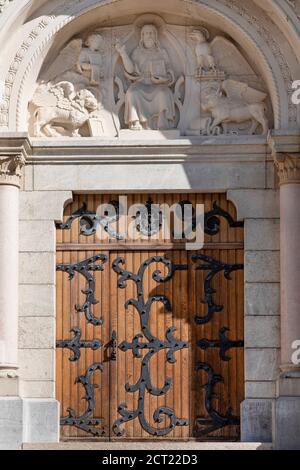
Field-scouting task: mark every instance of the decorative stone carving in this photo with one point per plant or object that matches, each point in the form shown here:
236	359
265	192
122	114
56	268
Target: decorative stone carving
263	25
205	59
8	374
11	169
4	4
149	101
288	167
80	57
234	102
148	76
59	110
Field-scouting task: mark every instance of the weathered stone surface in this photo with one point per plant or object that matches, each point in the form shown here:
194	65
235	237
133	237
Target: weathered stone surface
262	234
156	176
37	389
36	364
260	389
41	420
37	236
28	178
261	364
256	420
287	423
36	332
43	205
36	300
262	299
9	386
271	175
11	417
262	332
255	204
37	268
262	266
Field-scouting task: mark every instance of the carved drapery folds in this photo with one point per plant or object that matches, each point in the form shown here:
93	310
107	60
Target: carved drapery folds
148	76
11	169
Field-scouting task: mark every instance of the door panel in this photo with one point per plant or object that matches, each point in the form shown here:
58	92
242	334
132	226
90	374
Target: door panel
80	395
151	372
197	391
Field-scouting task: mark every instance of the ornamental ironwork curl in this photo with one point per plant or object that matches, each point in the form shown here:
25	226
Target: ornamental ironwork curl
85	268
212	219
152	344
86	422
89	221
149	219
213	267
223	343
76	344
204	426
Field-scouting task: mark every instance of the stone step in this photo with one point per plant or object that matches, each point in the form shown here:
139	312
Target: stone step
153	446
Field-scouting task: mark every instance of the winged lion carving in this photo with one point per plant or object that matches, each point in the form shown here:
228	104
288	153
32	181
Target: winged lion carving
59	110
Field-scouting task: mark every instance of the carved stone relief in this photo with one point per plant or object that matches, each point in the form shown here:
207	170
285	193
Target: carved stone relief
4	4
122	80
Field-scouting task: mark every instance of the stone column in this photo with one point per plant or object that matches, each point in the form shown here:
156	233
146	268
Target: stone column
286	153
12	161
289	175
10	178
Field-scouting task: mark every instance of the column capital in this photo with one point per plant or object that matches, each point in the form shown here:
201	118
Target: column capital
285	148
11	169
14	149
288	167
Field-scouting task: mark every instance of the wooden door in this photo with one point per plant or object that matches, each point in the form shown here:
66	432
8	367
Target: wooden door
149	335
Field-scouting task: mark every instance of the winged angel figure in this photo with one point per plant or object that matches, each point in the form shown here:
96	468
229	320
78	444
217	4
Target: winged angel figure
80	61
234	102
59	107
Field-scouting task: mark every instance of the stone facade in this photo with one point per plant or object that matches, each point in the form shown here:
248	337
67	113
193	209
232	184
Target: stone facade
74	108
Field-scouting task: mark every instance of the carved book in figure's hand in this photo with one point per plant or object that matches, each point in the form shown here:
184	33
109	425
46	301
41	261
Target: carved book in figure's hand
158	68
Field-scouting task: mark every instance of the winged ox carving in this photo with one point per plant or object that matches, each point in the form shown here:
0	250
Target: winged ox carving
235	102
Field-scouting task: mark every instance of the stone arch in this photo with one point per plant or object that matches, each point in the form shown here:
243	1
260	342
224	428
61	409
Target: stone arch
28	60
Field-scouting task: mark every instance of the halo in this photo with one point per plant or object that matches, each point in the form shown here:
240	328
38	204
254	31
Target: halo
203	30
149	18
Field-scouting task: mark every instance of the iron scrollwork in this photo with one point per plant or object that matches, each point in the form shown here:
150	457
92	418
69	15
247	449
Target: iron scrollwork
86	422
152	344
216	420
213	267
76	344
90	221
149	219
223	343
85	268
204	426
212	219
